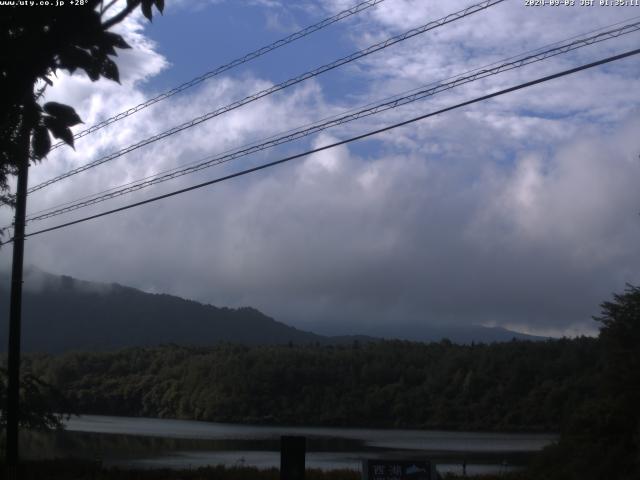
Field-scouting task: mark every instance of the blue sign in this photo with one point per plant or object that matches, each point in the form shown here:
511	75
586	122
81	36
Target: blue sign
398	470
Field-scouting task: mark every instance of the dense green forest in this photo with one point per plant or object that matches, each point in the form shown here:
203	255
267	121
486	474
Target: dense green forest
516	385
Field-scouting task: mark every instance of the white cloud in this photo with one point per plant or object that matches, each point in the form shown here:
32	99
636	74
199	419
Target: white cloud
520	211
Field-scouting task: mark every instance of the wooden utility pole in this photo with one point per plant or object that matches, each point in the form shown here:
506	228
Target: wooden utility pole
15	307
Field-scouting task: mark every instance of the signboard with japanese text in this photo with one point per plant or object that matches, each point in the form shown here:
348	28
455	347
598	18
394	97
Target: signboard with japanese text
398	470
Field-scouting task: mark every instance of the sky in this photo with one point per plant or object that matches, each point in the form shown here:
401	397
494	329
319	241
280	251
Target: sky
520	212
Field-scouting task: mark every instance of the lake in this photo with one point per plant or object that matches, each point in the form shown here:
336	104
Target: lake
160	443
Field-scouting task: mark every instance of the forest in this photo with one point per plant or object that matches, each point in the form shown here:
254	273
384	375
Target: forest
513	386
587	389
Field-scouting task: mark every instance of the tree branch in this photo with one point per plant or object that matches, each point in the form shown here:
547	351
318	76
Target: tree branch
120	16
104	9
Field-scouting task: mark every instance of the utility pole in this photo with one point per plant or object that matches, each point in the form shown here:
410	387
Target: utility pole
15	308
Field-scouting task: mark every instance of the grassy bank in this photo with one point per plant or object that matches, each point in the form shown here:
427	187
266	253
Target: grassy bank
77	470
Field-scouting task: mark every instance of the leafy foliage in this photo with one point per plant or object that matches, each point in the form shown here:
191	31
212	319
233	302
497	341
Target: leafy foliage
602	440
620	335
508	386
36	43
42	406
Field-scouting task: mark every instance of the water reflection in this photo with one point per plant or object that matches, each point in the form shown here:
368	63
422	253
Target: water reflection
156	443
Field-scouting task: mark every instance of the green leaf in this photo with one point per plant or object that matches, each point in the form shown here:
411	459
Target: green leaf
59	130
146	9
103	49
110	70
40	142
66	114
109	50
74	58
160	5
116	40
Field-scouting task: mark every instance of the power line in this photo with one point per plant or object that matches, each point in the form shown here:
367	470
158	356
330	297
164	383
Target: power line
342	142
292	135
350	58
228	66
292	81
542	50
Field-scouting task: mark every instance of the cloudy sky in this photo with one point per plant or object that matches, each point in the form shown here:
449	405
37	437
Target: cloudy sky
521	211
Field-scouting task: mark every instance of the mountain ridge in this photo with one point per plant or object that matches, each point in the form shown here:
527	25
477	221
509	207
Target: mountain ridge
62	313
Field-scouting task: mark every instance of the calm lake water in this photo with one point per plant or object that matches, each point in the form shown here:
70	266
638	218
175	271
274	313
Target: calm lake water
158	443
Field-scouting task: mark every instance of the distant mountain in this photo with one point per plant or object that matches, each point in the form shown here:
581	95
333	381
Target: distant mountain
62	313
434	333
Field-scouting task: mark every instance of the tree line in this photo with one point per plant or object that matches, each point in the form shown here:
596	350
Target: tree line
518	385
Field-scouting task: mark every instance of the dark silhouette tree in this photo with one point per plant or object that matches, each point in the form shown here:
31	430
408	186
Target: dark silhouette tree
36	43
602	436
620	337
42	406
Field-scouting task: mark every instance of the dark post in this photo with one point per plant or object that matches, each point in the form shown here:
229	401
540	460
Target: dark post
15	310
292	453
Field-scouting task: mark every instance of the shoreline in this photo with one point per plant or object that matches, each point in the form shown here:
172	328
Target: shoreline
303	427
91	470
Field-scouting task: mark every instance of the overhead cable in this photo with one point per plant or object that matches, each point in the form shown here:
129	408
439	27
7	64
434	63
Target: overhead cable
275	88
228	66
430	90
336	144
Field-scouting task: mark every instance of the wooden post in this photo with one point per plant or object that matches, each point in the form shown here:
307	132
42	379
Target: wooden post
292	457
15	310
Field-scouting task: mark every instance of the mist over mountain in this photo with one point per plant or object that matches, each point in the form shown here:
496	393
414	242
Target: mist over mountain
421	332
62	313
